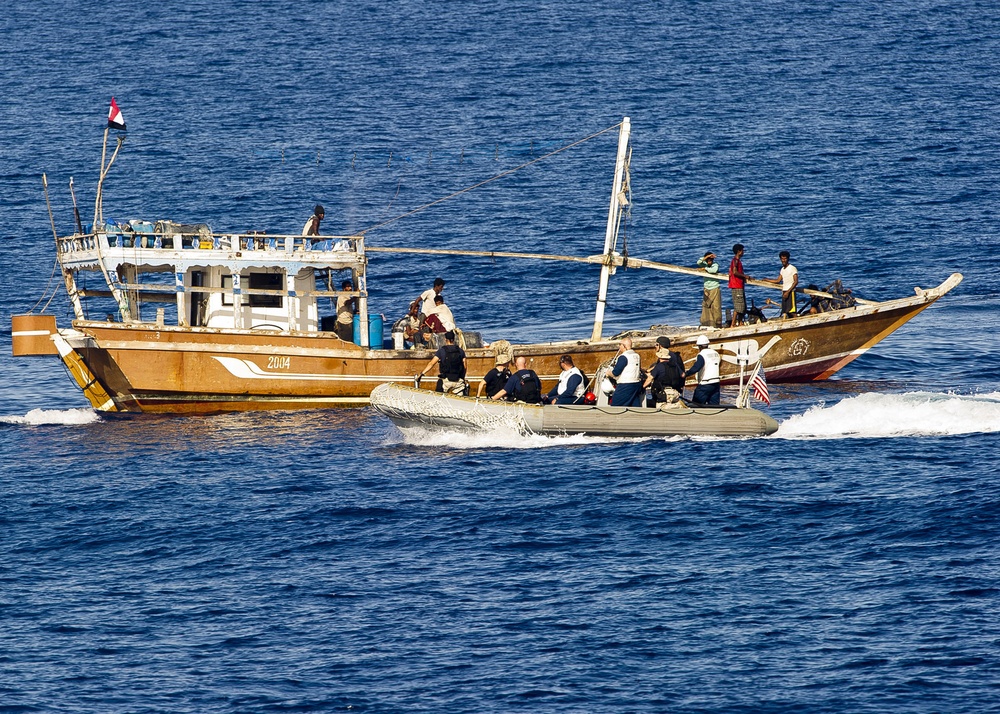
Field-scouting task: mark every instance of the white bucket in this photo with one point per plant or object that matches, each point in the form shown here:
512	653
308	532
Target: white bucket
397	341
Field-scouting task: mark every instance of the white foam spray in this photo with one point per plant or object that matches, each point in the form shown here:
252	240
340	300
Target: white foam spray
879	415
40	417
495	439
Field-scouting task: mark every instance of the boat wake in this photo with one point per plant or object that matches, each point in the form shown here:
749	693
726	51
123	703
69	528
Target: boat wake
41	417
498	439
893	415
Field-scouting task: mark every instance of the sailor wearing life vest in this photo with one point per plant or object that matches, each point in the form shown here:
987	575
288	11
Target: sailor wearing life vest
451	361
570	388
628	373
707	367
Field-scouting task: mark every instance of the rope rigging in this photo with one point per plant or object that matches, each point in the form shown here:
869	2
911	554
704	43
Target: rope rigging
489	180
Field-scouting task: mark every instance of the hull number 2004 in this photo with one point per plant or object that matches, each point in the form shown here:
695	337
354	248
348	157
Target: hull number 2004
279	362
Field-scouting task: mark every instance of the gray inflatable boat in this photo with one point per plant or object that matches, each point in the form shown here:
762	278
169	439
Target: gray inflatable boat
408	407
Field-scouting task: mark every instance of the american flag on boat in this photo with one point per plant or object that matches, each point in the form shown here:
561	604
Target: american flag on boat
758	383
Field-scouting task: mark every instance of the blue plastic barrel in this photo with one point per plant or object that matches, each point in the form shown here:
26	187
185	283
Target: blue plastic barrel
375	336
375	327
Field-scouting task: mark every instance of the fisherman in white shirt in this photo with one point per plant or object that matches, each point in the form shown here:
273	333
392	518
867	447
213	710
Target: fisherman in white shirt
788	278
426	298
440	319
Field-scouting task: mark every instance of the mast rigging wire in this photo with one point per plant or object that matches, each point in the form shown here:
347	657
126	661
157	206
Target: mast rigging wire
489	180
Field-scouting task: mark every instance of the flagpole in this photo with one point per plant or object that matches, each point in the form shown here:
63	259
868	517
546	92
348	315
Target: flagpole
744	400
743	369
114	116
100	181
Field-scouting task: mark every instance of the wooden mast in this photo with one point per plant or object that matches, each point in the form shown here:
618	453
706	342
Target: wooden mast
611	234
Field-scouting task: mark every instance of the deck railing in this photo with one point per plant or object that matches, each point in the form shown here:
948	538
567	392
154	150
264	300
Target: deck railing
229	242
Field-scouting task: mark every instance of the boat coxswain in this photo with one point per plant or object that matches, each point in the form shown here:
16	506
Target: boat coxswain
707	366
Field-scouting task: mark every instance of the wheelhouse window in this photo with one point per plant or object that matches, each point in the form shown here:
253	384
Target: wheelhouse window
266	281
257	281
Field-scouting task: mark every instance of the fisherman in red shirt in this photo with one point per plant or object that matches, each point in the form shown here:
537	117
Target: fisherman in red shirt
737	282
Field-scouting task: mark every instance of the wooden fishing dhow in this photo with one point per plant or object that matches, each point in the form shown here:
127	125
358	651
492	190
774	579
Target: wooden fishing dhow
198	321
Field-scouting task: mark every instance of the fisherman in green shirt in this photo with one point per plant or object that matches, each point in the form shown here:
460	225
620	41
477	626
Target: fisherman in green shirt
711	303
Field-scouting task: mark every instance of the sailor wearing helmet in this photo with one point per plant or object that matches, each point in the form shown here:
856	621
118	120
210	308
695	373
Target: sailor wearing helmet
707	366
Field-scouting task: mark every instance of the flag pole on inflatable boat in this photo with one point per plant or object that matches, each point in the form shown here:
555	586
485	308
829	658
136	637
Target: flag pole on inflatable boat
611	234
744	399
743	359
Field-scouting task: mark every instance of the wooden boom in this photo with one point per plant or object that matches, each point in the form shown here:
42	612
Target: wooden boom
615	260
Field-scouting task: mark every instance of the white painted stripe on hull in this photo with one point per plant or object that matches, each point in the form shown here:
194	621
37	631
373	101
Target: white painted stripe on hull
246	369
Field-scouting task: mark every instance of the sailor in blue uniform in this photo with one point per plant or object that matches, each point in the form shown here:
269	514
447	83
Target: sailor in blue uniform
707	366
570	387
628	374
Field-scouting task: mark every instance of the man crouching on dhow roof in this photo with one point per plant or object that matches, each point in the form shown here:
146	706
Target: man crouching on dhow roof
311	228
707	366
452	364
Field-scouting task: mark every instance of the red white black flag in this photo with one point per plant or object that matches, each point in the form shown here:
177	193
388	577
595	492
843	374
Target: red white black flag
115	120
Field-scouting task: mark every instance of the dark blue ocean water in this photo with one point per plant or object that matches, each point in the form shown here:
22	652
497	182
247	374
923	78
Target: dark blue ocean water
324	561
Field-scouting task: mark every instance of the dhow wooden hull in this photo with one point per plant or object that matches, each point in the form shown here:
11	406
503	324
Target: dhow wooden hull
145	367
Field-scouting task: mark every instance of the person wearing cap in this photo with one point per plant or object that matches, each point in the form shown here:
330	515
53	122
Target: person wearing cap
495	379
737	284
452	365
666	377
706	365
628	374
570	388
407	327
311	228
711	302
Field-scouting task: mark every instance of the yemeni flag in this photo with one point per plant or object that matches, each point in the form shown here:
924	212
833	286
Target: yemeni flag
115	119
